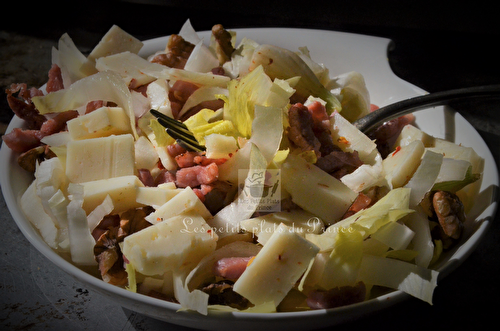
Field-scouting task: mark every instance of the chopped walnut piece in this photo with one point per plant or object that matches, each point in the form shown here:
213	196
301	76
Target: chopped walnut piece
111	267
133	221
450	214
223	47
222	293
109	233
176	53
29	159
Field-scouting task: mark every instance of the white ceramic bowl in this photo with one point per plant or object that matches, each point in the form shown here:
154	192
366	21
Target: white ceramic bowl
340	52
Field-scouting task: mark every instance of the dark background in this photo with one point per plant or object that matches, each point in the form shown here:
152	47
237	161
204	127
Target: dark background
437	45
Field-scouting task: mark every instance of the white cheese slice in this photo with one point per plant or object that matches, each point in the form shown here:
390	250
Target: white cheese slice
102	122
100	158
220	146
459	152
130	66
315	190
155	196
276	268
182	202
175	244
411	133
121	190
400	165
115	41
346	136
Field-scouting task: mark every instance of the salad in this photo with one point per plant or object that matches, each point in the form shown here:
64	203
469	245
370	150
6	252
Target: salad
288	208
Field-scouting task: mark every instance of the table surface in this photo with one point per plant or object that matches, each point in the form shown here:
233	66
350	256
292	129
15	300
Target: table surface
434	49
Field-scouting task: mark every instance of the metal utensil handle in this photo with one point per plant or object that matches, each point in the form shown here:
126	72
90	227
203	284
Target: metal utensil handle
394	110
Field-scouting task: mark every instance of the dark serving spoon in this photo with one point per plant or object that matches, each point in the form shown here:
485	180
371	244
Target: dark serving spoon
394	110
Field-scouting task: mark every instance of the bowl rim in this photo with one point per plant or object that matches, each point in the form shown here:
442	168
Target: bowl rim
375	304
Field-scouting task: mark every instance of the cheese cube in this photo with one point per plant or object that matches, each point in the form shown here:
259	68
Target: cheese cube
155	196
100	158
102	122
400	165
122	190
276	268
176	243
220	146
115	41
182	202
411	133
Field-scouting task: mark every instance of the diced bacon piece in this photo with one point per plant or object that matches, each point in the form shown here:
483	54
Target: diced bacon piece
386	134
55	82
199	194
186	159
175	149
203	191
339	163
25	93
203	160
93	105
231	267
197	175
363	201
22	105
190	159
321	127
145	177
134	86
57	123
178	95
21	141
163	177
318	111
180	92
134	83
218	71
